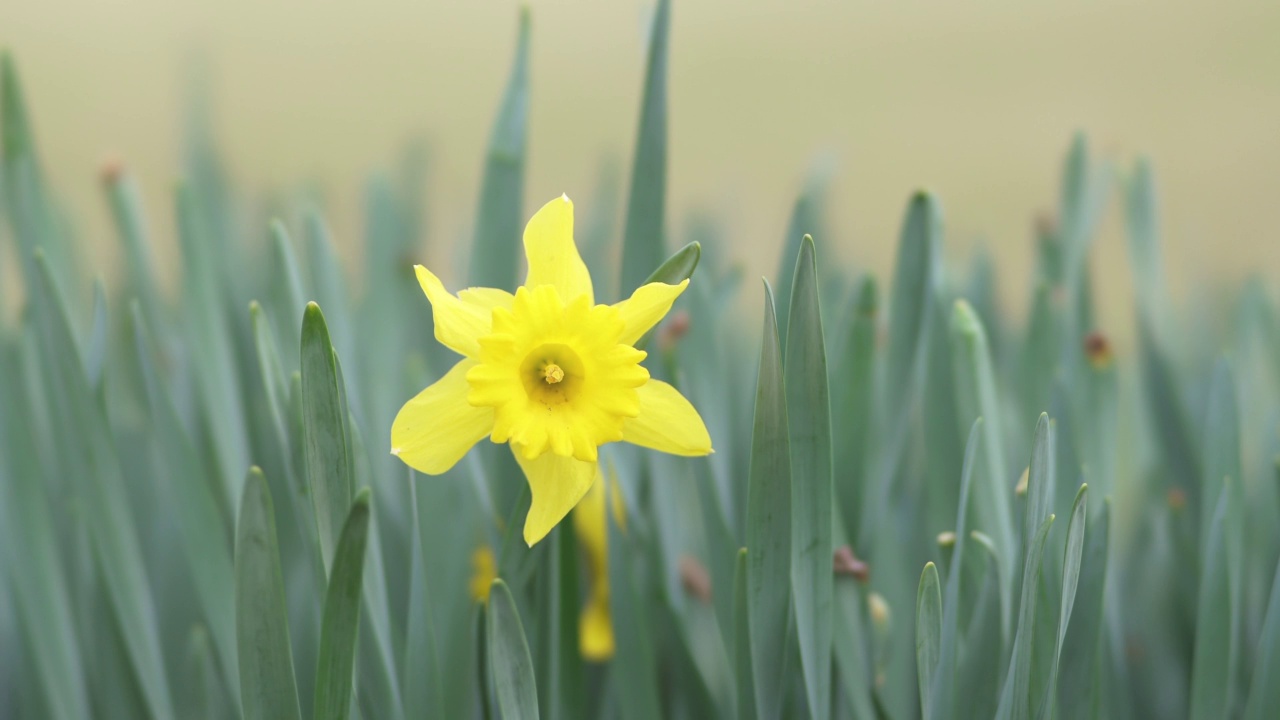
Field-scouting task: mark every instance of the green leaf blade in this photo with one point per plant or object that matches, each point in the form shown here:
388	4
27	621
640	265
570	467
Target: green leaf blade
510	664
341	620
268	688
768	527
809	421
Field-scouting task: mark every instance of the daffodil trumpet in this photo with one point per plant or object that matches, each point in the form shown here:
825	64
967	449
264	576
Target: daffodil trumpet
549	372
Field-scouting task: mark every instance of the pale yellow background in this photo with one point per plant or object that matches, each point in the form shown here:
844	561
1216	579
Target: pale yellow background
975	100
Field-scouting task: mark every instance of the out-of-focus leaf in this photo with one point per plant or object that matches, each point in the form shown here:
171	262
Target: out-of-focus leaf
808	412
1079	673
1015	698
1070	584
268	689
206	534
1218	612
976	396
36	576
928	634
768	526
643	238
510	663
495	251
635	665
1264	693
742	658
92	462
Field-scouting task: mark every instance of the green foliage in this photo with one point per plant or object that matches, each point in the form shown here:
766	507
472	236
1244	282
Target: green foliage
149	568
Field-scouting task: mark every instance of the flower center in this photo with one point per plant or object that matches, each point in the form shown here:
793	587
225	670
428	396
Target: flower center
552	373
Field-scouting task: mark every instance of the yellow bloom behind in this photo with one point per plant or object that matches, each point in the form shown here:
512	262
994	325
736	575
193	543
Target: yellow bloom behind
549	372
484	570
595	626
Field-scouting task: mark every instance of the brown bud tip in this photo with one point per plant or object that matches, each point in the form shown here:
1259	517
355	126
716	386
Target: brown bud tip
695	579
1098	349
946	539
674	329
844	562
111	170
1021	488
1177	498
1046	225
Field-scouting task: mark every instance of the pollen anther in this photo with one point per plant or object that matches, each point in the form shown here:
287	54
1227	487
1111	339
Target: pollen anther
552	374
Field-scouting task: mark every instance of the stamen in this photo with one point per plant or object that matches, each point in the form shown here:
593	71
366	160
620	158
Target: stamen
552	373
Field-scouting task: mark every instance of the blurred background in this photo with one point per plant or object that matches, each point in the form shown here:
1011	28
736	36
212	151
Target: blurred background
976	101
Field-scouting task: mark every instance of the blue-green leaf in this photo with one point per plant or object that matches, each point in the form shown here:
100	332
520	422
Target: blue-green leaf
510	664
334	679
768	526
495	252
268	689
928	634
324	425
809	421
643	236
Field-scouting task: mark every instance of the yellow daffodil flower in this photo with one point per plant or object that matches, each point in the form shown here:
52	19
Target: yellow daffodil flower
595	626
483	572
549	372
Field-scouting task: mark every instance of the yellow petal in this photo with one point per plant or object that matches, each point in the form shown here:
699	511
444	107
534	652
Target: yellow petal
553	258
459	324
595	628
435	429
667	422
487	298
557	484
646	306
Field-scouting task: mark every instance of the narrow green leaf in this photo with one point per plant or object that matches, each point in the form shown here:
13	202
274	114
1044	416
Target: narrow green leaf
768	525
643	238
560	658
928	634
943	690
1218	613
203	523
809	422
328	286
95	347
31	210
915	275
1015	700
742	640
209	337
91	461
852	400
679	267
130	221
1078	675
37	580
424	687
805	220
286	295
984	645
268	689
634	663
1072	555
976	397
324	425
495	252
334	678
510	664
1264	694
